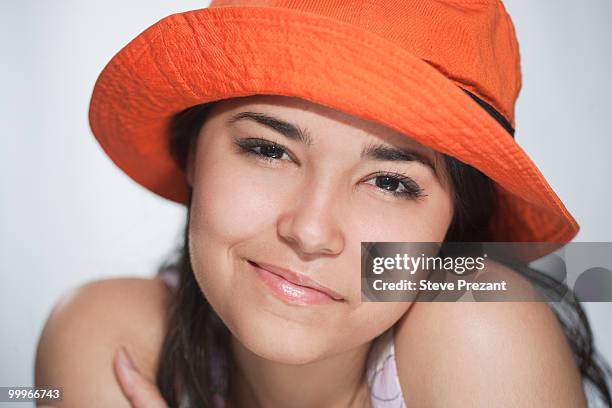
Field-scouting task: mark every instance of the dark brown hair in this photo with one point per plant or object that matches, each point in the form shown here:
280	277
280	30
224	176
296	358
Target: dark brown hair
194	329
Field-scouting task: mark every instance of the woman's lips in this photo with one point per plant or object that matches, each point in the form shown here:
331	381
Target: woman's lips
289	291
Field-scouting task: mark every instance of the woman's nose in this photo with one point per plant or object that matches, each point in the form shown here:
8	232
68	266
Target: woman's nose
311	225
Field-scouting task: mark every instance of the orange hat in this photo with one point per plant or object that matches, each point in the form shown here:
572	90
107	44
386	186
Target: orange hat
445	72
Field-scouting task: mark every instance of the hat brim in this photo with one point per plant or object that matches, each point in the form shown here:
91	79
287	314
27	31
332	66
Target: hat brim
216	53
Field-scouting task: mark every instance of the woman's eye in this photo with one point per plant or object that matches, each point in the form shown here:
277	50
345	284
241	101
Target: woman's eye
263	149
398	186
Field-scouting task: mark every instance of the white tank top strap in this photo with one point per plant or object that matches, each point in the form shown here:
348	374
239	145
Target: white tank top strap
383	380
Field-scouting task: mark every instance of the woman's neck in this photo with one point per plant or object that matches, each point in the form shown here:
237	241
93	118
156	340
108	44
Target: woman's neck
336	382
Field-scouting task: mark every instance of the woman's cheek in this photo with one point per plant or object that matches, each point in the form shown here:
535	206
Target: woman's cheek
388	223
228	211
233	203
401	220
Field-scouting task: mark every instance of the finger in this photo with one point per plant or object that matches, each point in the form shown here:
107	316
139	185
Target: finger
140	392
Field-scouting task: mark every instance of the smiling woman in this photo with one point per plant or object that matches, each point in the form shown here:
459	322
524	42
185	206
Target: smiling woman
301	210
312	200
286	165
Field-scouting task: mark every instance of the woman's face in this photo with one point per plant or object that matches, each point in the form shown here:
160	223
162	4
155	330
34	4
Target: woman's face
282	181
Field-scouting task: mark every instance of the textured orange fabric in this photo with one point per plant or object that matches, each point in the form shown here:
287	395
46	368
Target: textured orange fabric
399	63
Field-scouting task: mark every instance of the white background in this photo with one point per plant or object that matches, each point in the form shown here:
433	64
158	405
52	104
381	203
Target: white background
68	215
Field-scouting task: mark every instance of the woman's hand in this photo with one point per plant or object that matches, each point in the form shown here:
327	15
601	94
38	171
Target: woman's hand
140	392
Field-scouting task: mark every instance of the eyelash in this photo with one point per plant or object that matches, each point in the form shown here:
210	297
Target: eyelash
248	146
412	189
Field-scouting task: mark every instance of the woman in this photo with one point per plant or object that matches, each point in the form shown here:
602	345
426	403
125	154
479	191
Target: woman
294	131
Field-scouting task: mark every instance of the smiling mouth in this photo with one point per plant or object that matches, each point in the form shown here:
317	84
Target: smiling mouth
286	288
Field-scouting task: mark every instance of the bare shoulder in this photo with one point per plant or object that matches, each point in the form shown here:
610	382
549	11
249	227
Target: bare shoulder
503	354
86	327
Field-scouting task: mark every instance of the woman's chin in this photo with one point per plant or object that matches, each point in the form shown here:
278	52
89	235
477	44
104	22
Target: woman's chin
287	345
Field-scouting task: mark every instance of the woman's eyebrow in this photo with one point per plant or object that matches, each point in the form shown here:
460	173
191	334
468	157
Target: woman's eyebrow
287	129
382	152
